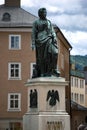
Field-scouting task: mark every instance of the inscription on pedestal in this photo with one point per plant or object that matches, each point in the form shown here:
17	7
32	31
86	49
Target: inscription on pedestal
54	125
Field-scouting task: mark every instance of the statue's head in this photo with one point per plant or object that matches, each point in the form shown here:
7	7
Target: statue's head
42	13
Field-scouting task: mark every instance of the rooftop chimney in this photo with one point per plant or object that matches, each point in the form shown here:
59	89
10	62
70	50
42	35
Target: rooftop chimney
12	3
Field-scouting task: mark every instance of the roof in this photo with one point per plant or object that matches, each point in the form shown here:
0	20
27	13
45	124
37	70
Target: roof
58	30
18	17
77	73
76	106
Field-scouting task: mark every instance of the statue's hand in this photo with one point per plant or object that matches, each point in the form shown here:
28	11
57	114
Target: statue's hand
55	41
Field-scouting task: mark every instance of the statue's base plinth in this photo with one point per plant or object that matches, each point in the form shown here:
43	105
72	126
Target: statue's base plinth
45	116
46	121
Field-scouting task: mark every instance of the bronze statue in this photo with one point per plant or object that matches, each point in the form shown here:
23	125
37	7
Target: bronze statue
52	96
33	98
45	42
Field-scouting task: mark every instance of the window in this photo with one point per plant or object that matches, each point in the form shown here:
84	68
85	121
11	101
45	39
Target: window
86	90
71	96
14	71
81	83
75	97
81	98
6	17
14	102
14	42
15	125
76	82
32	68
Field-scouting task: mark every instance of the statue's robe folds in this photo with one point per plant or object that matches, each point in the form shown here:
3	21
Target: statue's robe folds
43	37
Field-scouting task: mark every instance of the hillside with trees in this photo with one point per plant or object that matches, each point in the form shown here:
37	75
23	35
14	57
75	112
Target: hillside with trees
79	61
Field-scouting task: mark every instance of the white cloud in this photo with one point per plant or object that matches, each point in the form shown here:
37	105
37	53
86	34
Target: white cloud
52	8
78	40
69	22
76	37
28	3
1	1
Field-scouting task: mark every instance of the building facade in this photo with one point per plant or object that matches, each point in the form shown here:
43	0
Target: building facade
16	64
85	74
78	90
78	96
78	87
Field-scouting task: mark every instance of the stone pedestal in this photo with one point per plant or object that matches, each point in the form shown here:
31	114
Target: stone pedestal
50	112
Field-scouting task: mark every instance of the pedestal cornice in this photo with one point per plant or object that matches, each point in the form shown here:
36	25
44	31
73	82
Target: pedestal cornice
47	80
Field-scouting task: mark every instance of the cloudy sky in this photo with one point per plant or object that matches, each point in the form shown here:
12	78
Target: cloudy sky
69	15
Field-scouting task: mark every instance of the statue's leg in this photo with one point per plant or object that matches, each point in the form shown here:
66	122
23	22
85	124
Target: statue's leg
54	65
54	61
41	61
49	64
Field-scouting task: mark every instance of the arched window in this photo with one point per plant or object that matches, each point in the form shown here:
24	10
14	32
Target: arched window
6	17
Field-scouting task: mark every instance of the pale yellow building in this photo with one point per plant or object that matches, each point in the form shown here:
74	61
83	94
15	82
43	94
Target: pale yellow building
78	97
78	89
85	73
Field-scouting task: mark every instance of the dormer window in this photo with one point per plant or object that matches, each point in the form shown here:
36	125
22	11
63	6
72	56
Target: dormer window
6	17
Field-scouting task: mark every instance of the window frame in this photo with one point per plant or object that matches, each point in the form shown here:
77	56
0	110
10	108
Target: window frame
19	42
6	17
14	99
32	68
14	69
81	98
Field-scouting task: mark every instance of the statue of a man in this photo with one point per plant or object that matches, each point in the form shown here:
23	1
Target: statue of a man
45	42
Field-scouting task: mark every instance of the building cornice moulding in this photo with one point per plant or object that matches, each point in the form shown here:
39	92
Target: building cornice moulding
15	29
